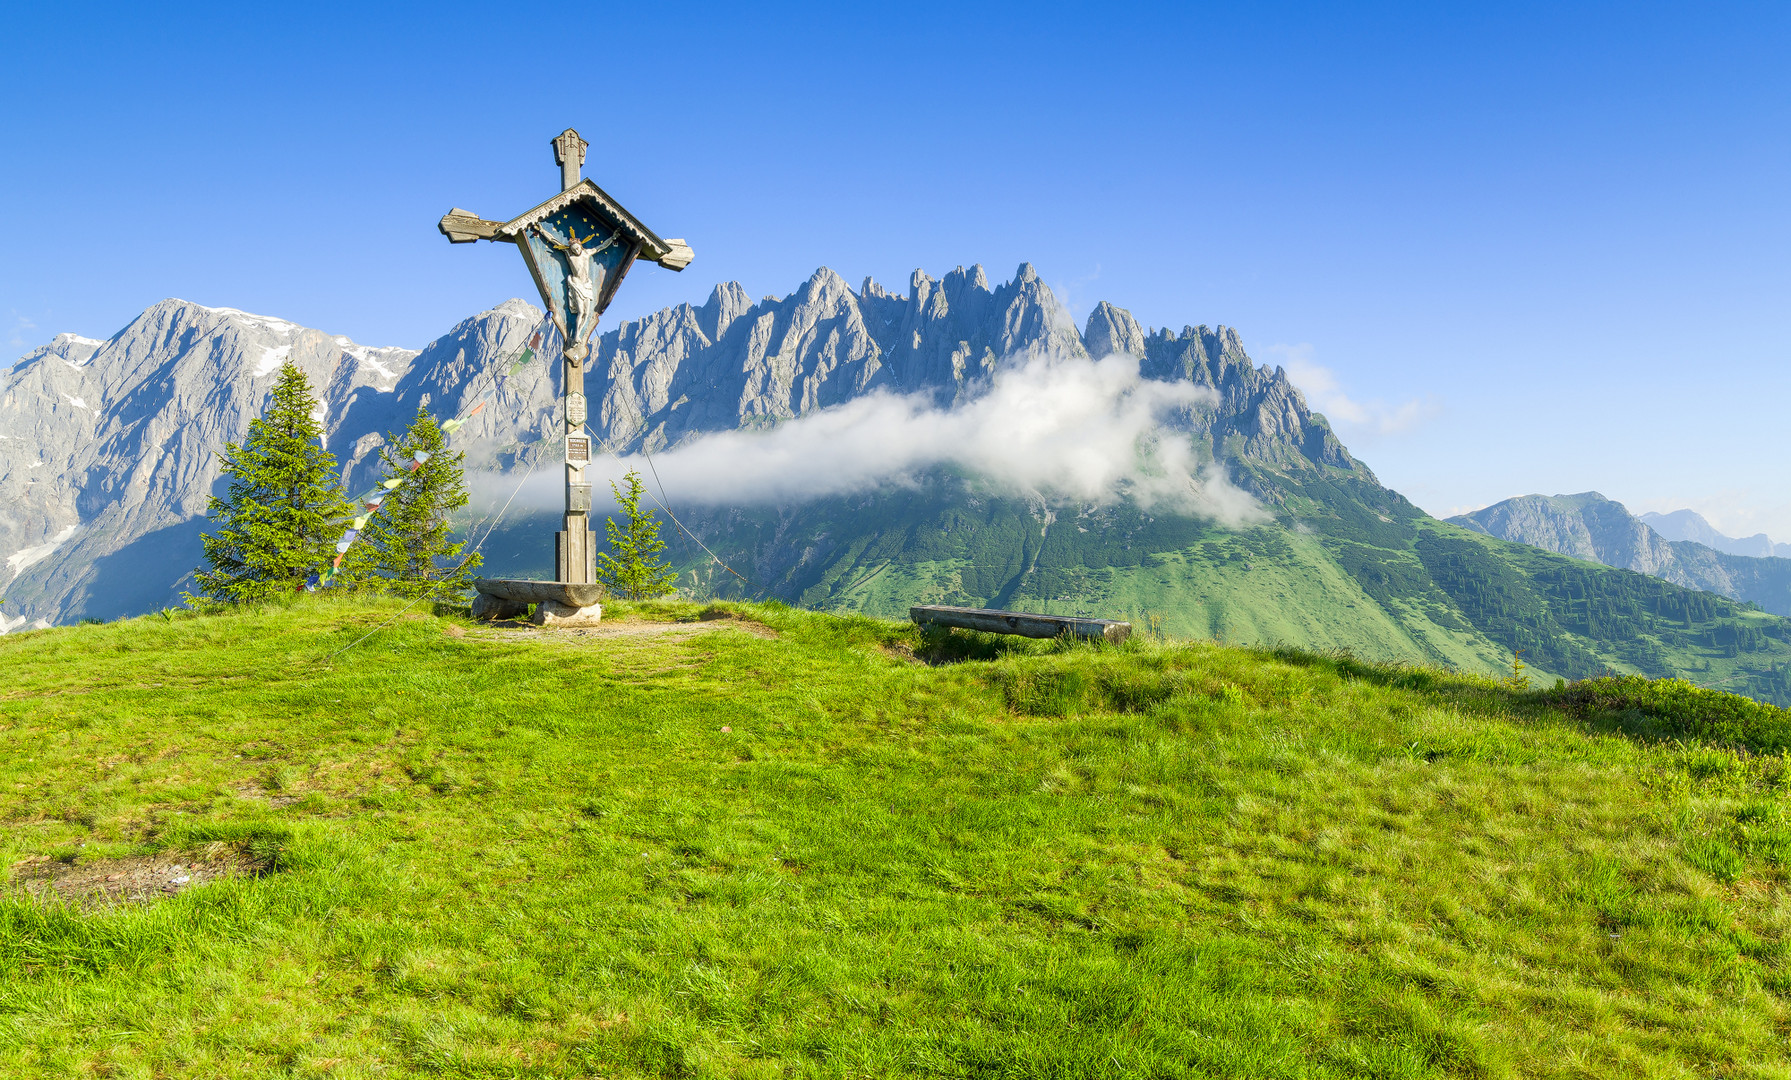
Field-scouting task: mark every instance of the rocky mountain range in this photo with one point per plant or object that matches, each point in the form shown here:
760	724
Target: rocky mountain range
1690	525
108	449
1591	527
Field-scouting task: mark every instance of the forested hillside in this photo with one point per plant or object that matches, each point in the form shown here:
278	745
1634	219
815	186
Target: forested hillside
1317	553
1345	564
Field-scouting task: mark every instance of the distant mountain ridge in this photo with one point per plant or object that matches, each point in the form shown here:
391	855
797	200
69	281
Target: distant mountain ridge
108	452
107	449
1591	527
1690	525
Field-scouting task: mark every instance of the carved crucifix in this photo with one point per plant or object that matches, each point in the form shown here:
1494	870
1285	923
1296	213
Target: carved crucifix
578	246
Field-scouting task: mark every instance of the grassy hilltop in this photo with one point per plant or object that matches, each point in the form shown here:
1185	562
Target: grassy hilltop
1345	564
759	842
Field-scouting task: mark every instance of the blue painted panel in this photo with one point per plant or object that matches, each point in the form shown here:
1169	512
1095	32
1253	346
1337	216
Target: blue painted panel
578	254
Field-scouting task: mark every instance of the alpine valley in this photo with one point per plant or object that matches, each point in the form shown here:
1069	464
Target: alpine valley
108	451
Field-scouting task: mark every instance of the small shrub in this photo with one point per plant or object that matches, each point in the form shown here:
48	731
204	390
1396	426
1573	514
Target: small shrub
1675	708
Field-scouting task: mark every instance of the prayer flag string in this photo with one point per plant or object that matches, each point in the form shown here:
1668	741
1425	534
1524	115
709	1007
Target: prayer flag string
375	498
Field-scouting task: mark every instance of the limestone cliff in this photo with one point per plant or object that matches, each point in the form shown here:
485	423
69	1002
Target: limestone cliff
108	450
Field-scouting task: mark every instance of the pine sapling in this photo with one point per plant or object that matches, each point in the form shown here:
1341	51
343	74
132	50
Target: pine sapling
283	511
631	567
411	537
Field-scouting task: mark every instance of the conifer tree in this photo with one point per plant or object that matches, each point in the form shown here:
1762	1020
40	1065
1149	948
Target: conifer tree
409	538
630	567
284	510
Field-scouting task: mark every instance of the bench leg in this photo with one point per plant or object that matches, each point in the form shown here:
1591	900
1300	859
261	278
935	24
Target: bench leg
488	608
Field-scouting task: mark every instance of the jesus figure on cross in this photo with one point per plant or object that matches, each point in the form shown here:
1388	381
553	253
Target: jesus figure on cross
581	283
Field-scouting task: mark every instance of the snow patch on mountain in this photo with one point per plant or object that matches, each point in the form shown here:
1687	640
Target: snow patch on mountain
266	322
271	358
18	561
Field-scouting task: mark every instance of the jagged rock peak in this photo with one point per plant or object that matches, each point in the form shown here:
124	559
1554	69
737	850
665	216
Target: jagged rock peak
515	307
727	302
824	282
1111	331
72	349
919	285
960	279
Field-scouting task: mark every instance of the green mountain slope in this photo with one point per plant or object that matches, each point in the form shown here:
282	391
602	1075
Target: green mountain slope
1592	527
757	842
1345	562
1348	564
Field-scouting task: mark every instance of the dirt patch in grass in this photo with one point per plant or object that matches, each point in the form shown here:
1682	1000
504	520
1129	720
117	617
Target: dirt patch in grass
262	795
136	878
510	629
901	652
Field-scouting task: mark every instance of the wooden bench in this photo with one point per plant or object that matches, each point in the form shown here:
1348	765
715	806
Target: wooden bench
557	603
1023	623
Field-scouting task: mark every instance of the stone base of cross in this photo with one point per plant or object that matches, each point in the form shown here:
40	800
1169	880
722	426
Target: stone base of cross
578	246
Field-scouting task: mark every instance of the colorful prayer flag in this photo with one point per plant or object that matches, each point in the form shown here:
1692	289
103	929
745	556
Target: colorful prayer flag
392	483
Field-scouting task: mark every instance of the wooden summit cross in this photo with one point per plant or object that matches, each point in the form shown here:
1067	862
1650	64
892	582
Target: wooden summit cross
578	246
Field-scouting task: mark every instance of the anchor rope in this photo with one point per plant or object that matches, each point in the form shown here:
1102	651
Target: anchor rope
374	500
542	328
497	520
661	501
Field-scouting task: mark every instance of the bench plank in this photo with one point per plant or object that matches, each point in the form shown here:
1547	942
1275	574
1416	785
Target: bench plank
1022	623
572	594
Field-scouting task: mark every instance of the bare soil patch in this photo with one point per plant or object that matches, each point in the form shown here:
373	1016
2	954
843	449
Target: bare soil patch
254	793
510	629
133	879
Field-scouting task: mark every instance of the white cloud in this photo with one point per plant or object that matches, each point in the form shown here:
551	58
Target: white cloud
1326	394
1065	430
1073	294
16	337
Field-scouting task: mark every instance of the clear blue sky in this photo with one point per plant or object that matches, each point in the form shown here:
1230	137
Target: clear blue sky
1508	248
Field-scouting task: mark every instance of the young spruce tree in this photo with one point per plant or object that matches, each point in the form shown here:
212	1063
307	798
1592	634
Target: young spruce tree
284	511
410	535
630	567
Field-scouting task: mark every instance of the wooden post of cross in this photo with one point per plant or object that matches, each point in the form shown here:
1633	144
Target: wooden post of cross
575	555
578	246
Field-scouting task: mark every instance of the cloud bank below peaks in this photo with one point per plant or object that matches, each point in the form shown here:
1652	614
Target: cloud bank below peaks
1065	430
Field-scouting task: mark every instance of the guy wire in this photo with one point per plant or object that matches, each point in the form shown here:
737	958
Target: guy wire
668	513
496	520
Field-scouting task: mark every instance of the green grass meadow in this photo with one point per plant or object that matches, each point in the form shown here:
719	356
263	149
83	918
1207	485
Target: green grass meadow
785	844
